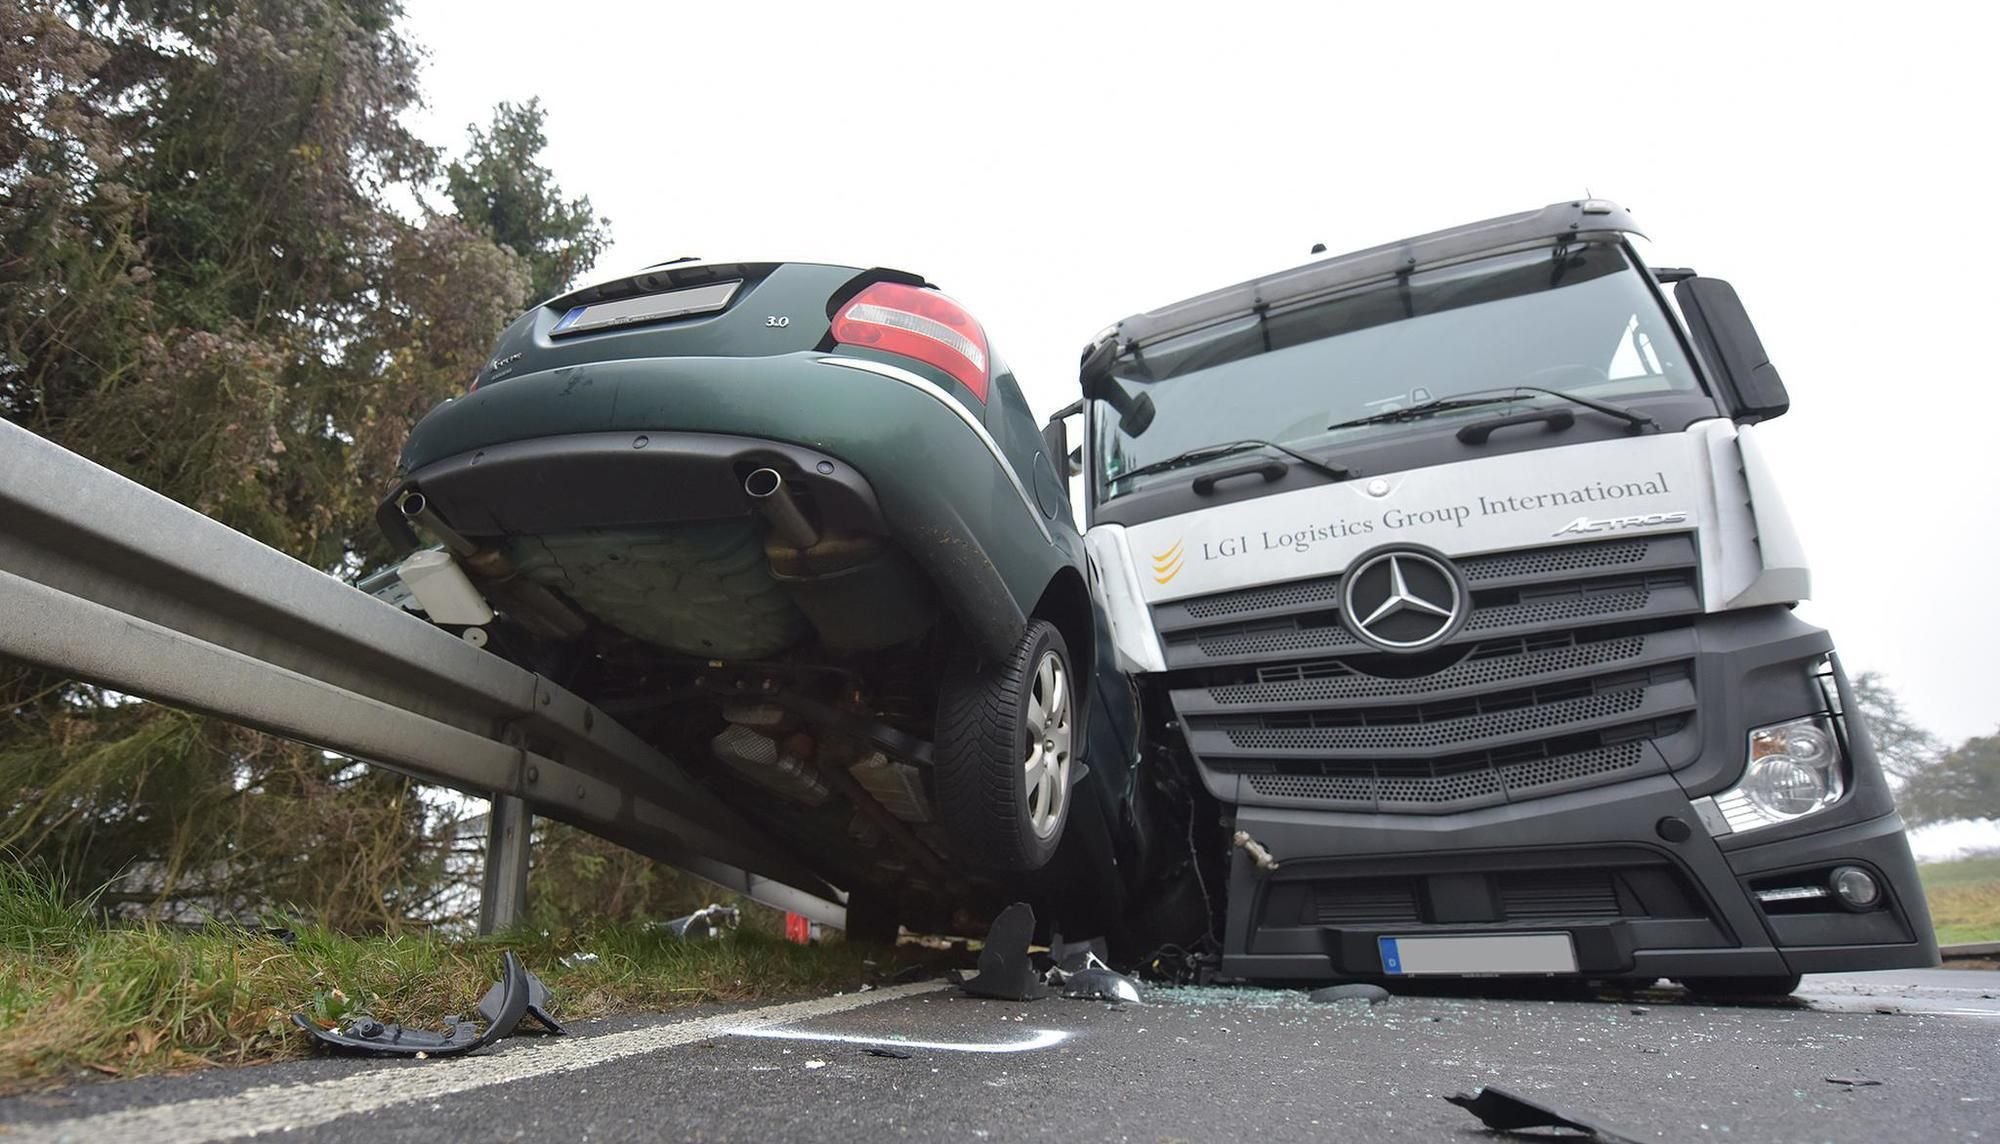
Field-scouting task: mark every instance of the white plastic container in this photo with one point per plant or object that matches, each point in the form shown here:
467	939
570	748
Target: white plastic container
443	588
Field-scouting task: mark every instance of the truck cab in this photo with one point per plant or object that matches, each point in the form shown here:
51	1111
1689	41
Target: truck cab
1451	576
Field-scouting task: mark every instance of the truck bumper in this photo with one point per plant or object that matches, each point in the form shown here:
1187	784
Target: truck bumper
1637	884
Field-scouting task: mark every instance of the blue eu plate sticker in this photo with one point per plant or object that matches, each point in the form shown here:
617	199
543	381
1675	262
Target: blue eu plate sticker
1392	961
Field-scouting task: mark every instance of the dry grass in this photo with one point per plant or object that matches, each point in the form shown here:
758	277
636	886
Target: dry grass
1965	898
76	998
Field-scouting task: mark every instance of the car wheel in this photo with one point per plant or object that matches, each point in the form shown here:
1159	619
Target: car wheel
1004	754
1777	985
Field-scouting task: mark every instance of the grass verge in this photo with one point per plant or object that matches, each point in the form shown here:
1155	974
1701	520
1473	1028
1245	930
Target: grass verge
76	997
1964	897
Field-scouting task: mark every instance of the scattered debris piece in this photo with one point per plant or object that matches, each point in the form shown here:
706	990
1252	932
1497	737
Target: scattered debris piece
1255	850
1005	970
910	973
1504	1112
572	960
709	921
890	1053
1075	956
1071	961
815	1064
1373	994
493	1006
1099	983
1074	964
503	1007
1852	1081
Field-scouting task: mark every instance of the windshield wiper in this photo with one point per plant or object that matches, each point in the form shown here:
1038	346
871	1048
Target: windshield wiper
1473	398
1421	409
1202	453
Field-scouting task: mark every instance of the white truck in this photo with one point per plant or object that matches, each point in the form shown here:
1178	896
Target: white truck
1451	596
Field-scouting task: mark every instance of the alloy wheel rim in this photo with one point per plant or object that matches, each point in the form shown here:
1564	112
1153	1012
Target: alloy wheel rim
1049	732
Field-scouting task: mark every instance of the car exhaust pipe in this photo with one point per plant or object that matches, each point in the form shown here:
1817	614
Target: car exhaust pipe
766	489
540	609
417	510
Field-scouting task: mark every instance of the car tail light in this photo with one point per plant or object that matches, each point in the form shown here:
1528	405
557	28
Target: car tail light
918	323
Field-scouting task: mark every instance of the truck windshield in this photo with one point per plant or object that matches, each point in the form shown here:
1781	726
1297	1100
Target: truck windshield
1579	319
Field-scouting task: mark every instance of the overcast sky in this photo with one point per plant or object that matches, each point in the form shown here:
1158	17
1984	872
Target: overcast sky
1058	167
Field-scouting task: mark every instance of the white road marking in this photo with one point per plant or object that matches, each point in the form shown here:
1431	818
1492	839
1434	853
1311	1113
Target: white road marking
1043	1039
272	1108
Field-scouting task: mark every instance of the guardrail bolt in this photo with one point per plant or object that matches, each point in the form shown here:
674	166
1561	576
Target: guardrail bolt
534	774
579	792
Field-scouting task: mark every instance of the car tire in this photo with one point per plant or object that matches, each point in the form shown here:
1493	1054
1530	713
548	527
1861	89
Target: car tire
1776	985
1005	752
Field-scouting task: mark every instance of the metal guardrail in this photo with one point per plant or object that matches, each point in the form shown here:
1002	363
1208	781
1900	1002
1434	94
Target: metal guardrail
104	580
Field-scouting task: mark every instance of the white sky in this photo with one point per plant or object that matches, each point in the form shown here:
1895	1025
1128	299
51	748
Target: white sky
1058	167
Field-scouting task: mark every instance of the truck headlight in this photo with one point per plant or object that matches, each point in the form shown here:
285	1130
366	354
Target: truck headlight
1794	769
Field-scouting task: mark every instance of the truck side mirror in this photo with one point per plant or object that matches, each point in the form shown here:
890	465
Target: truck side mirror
1055	441
1135	411
1728	342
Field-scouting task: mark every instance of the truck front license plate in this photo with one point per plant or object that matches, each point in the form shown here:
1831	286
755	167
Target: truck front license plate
1478	954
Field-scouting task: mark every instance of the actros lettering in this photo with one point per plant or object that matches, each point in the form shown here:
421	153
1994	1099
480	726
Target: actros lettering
1584	524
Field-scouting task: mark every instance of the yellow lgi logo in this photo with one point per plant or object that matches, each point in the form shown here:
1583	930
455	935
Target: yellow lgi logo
1167	565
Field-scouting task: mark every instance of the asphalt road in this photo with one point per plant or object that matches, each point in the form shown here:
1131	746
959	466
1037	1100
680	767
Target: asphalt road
1195	1064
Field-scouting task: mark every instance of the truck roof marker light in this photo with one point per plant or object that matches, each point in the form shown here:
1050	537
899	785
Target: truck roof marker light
918	323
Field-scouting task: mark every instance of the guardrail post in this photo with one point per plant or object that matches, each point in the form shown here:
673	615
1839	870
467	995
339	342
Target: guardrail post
503	891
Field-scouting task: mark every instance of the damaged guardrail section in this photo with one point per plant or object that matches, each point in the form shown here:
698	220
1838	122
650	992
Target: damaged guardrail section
104	580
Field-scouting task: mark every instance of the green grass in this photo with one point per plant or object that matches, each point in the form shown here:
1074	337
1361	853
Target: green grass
78	997
1964	897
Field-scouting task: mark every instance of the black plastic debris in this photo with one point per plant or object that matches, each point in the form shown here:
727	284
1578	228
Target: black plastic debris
1006	972
1099	983
890	1053
911	973
503	1007
492	1006
1077	956
1504	1112
1373	994
1852	1081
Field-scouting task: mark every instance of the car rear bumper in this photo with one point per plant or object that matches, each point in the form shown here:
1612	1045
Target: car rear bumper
656	441
624	479
1634	903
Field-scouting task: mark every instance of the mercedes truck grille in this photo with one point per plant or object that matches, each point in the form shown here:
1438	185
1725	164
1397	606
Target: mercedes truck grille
1571	662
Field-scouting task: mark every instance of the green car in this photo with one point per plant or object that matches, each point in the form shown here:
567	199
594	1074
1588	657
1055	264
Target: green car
795	524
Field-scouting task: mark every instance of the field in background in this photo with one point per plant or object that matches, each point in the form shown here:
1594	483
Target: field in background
1965	898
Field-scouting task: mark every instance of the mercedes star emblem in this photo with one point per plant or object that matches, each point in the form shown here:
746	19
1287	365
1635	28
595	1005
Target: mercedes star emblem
1402	600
